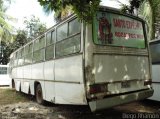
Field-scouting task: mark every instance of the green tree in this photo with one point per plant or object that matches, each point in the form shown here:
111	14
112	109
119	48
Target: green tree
151	17
134	5
62	13
20	39
155	5
85	9
34	27
8	47
3	52
5	28
5	31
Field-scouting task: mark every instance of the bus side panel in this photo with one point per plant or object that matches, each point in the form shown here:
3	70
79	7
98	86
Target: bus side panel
38	75
27	78
18	77
17	84
14	76
37	71
68	93
156	82
27	72
5	80
69	83
49	81
156	94
156	73
14	73
20	72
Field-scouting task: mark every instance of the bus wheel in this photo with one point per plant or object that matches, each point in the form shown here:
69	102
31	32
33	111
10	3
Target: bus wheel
39	94
13	84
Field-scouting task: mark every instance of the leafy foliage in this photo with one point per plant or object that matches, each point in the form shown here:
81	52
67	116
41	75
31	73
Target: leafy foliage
8	47
134	4
5	32
62	13
85	9
138	5
5	28
33	27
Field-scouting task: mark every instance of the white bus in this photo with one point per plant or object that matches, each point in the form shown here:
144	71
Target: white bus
102	64
155	53
5	80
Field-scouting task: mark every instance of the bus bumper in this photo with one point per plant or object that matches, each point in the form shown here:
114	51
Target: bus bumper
121	99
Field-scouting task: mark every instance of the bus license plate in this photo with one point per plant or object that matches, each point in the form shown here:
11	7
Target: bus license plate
125	84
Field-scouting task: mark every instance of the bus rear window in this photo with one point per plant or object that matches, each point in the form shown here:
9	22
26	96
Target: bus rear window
118	30
3	70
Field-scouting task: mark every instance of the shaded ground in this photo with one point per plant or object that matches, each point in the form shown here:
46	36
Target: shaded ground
27	109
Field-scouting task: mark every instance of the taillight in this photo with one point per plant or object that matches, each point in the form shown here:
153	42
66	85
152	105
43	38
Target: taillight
147	82
98	88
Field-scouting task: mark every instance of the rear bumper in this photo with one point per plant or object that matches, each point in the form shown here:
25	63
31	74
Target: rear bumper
121	99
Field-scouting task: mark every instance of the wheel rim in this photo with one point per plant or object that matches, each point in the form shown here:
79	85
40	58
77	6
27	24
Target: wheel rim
39	95
13	84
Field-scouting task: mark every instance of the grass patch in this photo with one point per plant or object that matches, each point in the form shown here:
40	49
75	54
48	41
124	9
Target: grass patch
10	96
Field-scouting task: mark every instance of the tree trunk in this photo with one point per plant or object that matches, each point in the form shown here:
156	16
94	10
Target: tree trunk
153	18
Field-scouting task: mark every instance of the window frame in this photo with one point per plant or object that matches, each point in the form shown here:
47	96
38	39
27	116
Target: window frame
68	37
20	57
39	49
29	52
3	70
52	44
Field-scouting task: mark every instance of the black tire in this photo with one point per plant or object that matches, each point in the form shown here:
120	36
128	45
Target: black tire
39	94
13	84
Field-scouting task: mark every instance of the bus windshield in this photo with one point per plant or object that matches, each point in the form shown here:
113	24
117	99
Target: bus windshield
118	30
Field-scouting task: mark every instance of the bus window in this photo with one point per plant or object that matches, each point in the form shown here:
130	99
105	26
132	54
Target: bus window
71	44
28	54
38	54
155	52
62	32
3	70
50	38
74	27
49	51
42	42
20	56
118	30
15	59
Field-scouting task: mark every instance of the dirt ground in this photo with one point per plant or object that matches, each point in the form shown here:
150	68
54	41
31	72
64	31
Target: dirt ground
28	109
8	96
